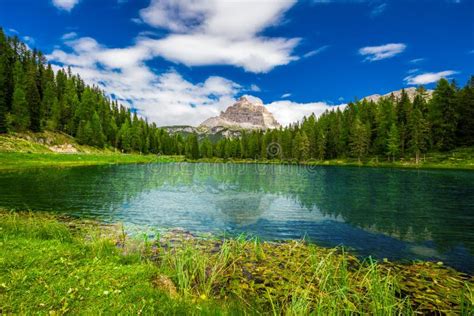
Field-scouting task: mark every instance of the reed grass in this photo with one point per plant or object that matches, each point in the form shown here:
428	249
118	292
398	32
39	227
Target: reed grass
57	266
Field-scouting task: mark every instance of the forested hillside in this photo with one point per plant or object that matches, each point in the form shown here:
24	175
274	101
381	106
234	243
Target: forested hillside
35	98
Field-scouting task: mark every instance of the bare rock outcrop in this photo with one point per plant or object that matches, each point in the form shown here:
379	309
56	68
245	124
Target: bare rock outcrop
411	92
243	114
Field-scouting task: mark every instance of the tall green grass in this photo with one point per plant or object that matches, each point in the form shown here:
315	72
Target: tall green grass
58	267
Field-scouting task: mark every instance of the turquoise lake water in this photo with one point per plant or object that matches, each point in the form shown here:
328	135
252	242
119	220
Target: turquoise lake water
385	213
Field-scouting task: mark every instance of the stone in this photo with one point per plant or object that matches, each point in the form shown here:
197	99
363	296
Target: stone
243	114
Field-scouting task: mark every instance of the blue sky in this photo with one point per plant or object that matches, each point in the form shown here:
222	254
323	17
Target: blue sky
179	62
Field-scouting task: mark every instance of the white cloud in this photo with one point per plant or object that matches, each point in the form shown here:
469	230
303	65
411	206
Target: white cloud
316	51
201	33
375	53
165	98
69	36
66	5
428	77
255	88
287	112
412	71
286	95
220	33
378	10
28	39
417	60
252	54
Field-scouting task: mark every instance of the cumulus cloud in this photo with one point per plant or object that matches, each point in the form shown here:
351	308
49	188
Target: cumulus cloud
165	98
220	33
287	112
429	77
374	53
66	5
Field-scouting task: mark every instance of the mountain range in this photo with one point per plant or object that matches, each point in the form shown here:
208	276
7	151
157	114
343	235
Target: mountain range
253	115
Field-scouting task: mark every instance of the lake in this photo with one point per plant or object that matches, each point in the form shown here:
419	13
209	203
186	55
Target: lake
386	213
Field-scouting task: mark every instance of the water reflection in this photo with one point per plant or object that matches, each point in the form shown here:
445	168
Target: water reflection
391	213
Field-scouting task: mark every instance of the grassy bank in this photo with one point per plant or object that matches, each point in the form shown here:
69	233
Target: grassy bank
462	159
12	161
28	150
57	265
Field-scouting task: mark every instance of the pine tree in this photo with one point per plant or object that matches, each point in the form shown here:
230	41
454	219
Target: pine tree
465	106
112	132
206	148
33	98
403	110
20	118
443	116
51	106
320	143
3	82
419	131
124	137
84	133
304	147
393	144
359	139
68	104
98	137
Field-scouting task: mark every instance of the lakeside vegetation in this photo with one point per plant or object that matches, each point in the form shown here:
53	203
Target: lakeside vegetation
34	150
60	265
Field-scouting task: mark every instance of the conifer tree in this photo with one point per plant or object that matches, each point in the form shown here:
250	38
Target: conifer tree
33	98
3	82
393	144
465	107
98	137
304	147
418	128
320	143
359	140
51	106
443	116
20	116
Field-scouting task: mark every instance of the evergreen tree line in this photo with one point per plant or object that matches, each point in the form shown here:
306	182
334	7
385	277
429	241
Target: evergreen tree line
390	128
35	98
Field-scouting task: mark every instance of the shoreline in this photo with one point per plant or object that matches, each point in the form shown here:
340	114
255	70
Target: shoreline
181	269
10	161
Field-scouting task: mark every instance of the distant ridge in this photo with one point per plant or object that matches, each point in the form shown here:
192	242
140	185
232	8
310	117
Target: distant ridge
411	92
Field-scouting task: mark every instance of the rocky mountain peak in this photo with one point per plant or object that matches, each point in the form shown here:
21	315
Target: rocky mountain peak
244	114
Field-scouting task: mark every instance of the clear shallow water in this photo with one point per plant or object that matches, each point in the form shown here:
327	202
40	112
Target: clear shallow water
397	214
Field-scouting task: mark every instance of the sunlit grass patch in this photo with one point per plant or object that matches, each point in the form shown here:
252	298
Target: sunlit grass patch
60	265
